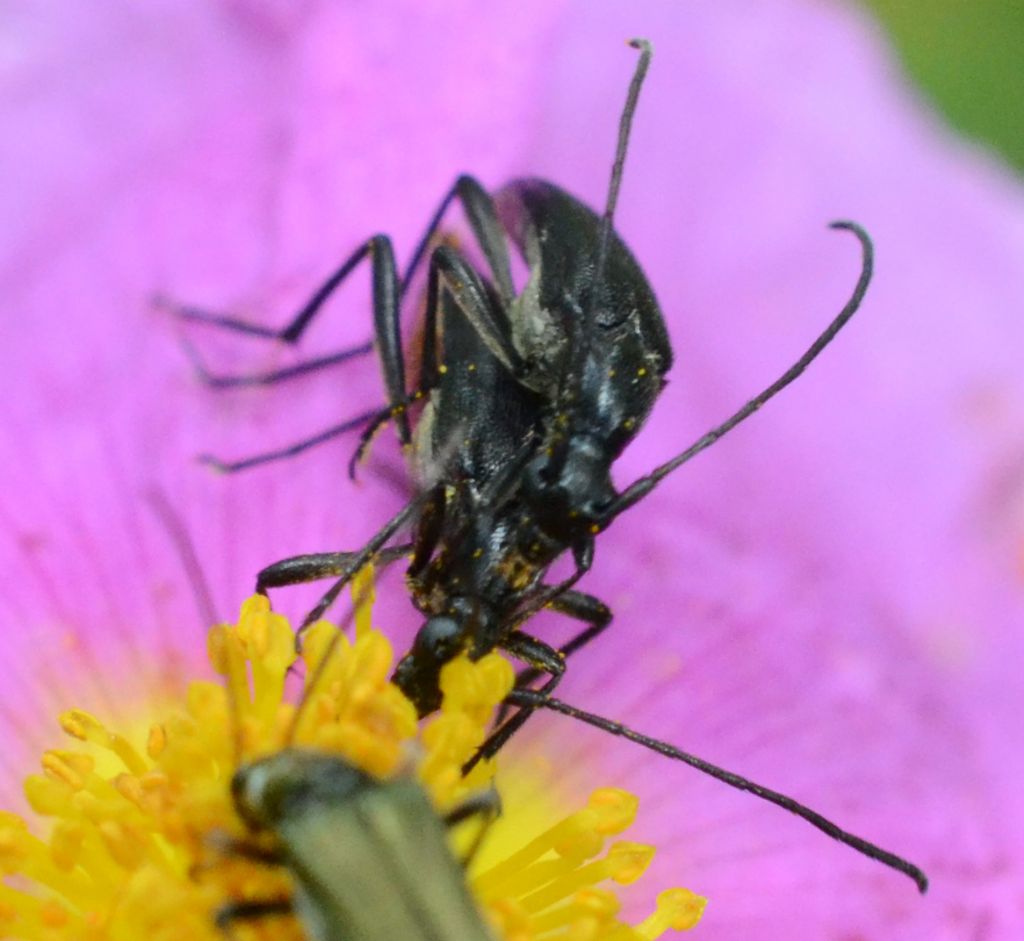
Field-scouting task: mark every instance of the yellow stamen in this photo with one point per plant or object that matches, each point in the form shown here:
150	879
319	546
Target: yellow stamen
580	836
678	909
130	847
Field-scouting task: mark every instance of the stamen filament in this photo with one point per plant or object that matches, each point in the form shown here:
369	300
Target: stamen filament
624	863
609	811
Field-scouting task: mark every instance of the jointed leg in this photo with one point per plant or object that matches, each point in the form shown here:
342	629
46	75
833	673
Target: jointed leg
296	326
318	565
274	376
582	607
450	276
386	302
234	912
541	657
486	804
487	230
378	247
357	560
267	457
546	595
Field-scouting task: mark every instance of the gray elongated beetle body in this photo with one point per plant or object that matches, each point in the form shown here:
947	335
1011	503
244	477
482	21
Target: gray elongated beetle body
369	859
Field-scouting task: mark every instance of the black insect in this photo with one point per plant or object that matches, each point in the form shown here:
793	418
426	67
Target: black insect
529	398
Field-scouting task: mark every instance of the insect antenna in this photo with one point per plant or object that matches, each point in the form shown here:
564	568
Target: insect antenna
367	554
535	699
235	672
625	125
176	530
638	490
580	338
236	679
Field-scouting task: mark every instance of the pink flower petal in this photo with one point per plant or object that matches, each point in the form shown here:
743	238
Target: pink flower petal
828	601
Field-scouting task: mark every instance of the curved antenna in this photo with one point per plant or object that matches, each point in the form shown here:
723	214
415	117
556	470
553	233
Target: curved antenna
536	699
640	488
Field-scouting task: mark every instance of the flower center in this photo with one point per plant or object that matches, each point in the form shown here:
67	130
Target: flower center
140	838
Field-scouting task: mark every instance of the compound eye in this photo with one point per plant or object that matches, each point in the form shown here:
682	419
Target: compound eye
440	638
249	791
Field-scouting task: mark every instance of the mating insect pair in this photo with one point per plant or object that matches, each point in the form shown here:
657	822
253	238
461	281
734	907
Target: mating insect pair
529	398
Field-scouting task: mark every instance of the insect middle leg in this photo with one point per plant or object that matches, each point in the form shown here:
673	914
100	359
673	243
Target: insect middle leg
378	248
486	805
582	607
542	657
387	332
253	910
451	276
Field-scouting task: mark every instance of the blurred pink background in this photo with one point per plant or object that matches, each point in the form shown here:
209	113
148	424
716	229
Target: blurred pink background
828	601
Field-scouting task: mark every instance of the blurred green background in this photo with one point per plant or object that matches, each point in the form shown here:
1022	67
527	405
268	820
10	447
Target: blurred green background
968	58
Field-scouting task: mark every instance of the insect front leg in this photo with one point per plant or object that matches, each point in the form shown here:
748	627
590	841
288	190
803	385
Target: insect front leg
451	273
542	657
583	607
315	566
546	595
